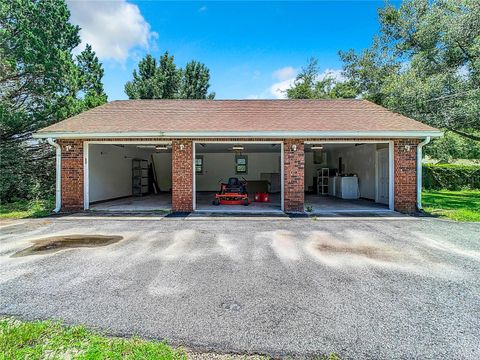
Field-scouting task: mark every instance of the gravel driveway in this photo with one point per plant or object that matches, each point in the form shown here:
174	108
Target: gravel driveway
364	288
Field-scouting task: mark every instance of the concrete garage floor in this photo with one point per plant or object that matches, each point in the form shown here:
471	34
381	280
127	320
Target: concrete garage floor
329	204
205	198
162	201
404	288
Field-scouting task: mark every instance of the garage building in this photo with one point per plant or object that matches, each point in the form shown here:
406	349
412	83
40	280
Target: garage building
296	155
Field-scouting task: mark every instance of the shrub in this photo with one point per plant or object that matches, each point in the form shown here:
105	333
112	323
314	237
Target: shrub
451	177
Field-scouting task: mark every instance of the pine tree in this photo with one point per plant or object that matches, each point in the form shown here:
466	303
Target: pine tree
166	81
195	81
90	78
40	84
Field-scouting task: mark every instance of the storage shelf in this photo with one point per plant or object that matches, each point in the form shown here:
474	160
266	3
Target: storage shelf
322	181
139	177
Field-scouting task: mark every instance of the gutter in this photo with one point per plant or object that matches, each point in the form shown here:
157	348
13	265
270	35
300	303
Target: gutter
239	134
58	172
419	171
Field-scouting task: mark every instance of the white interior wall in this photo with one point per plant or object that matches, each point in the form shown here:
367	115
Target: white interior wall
222	166
163	168
359	160
109	172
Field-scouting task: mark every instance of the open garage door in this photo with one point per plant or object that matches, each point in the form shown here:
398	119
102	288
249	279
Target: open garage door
238	177
348	176
128	177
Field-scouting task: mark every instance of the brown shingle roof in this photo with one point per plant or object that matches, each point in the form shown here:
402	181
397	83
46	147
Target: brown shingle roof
237	116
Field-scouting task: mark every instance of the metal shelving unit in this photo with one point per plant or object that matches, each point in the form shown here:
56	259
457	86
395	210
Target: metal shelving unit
139	177
322	181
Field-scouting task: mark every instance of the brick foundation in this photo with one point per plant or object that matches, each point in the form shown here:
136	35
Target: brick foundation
405	175
294	173
72	175
182	175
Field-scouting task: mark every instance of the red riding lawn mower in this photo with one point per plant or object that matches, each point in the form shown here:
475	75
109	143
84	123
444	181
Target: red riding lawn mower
234	192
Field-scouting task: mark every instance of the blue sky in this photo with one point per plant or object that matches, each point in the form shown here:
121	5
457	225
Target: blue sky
253	49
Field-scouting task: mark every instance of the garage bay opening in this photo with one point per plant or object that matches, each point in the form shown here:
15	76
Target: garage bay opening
129	177
238	177
347	177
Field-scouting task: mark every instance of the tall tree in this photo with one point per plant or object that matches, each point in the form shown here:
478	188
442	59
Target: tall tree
90	78
310	85
38	86
152	81
195	81
143	85
166	81
168	77
425	63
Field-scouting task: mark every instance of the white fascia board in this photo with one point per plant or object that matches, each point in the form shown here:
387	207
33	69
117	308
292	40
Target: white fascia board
241	134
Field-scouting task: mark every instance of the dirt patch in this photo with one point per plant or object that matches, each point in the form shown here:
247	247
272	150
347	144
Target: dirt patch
57	243
372	252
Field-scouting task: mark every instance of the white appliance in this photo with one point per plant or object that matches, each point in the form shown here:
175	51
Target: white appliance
346	187
331	186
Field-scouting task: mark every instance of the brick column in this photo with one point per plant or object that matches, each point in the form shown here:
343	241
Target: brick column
294	172
182	175
405	175
72	174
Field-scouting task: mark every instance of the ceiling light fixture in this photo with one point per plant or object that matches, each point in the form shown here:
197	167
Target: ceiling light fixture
237	147
317	147
161	147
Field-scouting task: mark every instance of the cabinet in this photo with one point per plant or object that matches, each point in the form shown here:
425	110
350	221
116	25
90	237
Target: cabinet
139	177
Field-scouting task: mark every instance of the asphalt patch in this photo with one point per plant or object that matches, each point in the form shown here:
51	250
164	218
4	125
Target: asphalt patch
57	243
372	252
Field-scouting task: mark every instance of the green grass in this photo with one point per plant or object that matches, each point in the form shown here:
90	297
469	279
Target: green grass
51	340
456	205
24	209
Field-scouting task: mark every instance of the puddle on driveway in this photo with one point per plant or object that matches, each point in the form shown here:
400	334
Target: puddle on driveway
57	243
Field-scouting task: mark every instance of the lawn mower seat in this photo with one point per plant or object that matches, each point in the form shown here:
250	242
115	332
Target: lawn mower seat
235	186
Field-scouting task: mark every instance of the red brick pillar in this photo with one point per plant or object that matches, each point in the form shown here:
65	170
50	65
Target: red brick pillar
293	167
72	174
182	175
405	175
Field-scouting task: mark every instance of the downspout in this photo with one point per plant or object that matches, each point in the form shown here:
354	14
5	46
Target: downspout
419	171
58	172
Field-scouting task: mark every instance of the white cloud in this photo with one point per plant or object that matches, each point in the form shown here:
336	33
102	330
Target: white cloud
202	9
286	77
278	89
336	74
113	28
284	73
